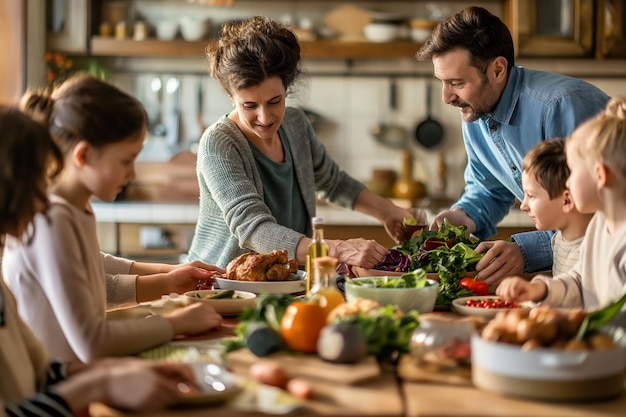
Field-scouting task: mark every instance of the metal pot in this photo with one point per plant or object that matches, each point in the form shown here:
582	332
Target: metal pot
429	132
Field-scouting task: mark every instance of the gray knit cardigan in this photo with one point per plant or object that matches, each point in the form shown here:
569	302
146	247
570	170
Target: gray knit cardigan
233	216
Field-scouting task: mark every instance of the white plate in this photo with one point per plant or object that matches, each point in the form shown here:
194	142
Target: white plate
224	306
297	284
459	306
215	382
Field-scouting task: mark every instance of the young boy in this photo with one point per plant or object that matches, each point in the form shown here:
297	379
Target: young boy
549	203
596	157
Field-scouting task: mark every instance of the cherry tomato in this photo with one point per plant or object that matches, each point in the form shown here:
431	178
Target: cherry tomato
475	285
301	325
490	303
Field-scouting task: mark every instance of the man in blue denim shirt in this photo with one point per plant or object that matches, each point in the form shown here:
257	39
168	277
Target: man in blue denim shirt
506	110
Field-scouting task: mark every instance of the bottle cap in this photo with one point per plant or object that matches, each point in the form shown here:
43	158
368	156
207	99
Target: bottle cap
317	220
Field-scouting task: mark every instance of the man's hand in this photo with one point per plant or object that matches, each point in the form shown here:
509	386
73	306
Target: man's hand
455	216
501	259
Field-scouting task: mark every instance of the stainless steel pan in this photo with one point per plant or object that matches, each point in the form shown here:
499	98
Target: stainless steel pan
387	133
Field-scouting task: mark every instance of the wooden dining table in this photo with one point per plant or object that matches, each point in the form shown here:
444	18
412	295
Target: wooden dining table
392	394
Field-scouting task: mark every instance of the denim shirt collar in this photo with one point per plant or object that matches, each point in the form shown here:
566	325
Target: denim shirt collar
508	99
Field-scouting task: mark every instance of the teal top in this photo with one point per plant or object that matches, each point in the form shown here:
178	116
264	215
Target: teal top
281	191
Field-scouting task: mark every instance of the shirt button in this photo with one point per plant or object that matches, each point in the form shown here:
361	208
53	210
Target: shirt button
513	168
493	128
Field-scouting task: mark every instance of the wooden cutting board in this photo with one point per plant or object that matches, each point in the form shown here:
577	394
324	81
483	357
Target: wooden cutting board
311	366
348	21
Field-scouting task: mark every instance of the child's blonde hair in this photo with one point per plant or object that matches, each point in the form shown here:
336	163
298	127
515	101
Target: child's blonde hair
603	138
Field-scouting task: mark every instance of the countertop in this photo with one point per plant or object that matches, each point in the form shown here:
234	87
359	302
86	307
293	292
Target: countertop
145	212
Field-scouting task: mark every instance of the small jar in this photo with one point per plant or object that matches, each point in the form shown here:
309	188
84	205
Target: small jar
442	342
106	30
121	31
140	32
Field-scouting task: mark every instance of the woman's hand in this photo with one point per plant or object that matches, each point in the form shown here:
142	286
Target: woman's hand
359	252
395	224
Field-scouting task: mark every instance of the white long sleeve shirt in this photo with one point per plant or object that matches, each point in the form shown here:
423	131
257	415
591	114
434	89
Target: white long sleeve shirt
599	277
59	282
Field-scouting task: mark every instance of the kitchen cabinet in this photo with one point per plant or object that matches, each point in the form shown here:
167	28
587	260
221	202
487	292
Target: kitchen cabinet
317	49
540	29
67	26
568	28
611	32
552	28
107	46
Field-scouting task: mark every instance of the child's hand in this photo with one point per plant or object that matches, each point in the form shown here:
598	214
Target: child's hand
205	266
194	319
517	289
186	278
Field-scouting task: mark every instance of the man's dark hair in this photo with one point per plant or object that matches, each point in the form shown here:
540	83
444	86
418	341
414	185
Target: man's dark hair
475	29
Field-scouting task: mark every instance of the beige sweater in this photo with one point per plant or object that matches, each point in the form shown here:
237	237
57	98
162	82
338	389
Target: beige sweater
23	362
60	285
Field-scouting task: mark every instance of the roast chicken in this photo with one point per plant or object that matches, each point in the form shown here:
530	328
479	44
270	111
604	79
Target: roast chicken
252	266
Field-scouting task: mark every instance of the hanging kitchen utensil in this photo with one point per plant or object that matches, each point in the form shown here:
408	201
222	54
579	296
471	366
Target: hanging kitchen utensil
316	119
172	88
429	132
158	129
200	104
387	133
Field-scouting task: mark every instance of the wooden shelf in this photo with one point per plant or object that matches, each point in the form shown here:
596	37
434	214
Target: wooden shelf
102	46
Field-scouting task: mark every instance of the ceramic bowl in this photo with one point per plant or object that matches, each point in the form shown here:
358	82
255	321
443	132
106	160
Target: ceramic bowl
227	306
193	29
166	30
381	32
459	305
549	373
407	299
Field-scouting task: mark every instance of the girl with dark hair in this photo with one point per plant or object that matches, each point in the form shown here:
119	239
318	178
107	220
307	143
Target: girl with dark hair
59	275
31	384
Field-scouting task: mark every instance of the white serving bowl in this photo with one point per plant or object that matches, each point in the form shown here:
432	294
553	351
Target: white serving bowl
226	306
166	30
407	299
549	373
381	32
193	29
